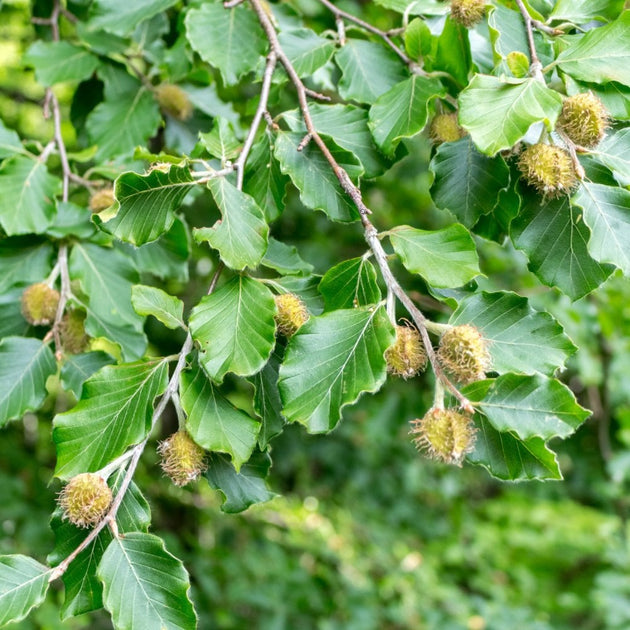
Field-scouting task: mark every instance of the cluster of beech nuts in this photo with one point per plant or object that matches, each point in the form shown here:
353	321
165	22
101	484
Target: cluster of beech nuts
445	434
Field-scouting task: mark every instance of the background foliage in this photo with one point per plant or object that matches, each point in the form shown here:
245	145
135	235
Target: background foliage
364	532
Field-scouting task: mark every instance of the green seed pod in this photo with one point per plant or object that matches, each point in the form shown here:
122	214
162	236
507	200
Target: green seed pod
85	499
548	169
39	304
174	101
102	199
407	356
463	353
182	459
72	332
468	12
583	119
445	434
445	128
292	313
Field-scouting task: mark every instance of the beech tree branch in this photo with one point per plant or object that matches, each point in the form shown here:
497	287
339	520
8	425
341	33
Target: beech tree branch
371	234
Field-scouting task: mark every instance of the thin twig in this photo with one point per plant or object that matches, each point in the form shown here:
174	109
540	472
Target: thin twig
535	67
371	234
368	27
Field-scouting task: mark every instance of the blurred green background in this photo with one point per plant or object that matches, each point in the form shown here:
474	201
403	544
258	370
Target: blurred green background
368	534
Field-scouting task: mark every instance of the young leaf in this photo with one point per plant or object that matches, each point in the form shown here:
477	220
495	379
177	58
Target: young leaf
529	406
444	258
122	17
555	240
26	202
368	70
23	585
312	176
10	142
114	412
467	182
60	61
583	11
144	586
241	235
164	307
145	203
330	362
350	283
508	458
402	111
229	40
607	214
452	52
600	56
497	113
240	489
213	422
25	364
234	328
519	338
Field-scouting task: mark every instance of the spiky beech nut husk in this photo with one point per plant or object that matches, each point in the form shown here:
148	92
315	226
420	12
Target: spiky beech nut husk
446	435
584	119
292	313
39	304
85	499
174	101
102	199
463	352
408	355
182	458
72	331
468	12
548	169
445	128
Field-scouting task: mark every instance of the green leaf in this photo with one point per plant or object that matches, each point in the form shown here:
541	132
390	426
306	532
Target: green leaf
214	422
122	17
60	61
12	322
416	7
127	117
25	364
350	283
347	125
306	288
607	214
452	52
26	202
106	277
79	367
529	406
221	141
497	113
114	413
285	259
164	307
71	220
445	258
555	240
402	111
614	152
24	261
242	234
10	142
467	182
267	402
234	328
600	56
511	459
240	489
583	11
418	39
23	585
263	179
519	338
306	50
229	40
312	176
144	586
145	203
368	70
330	362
